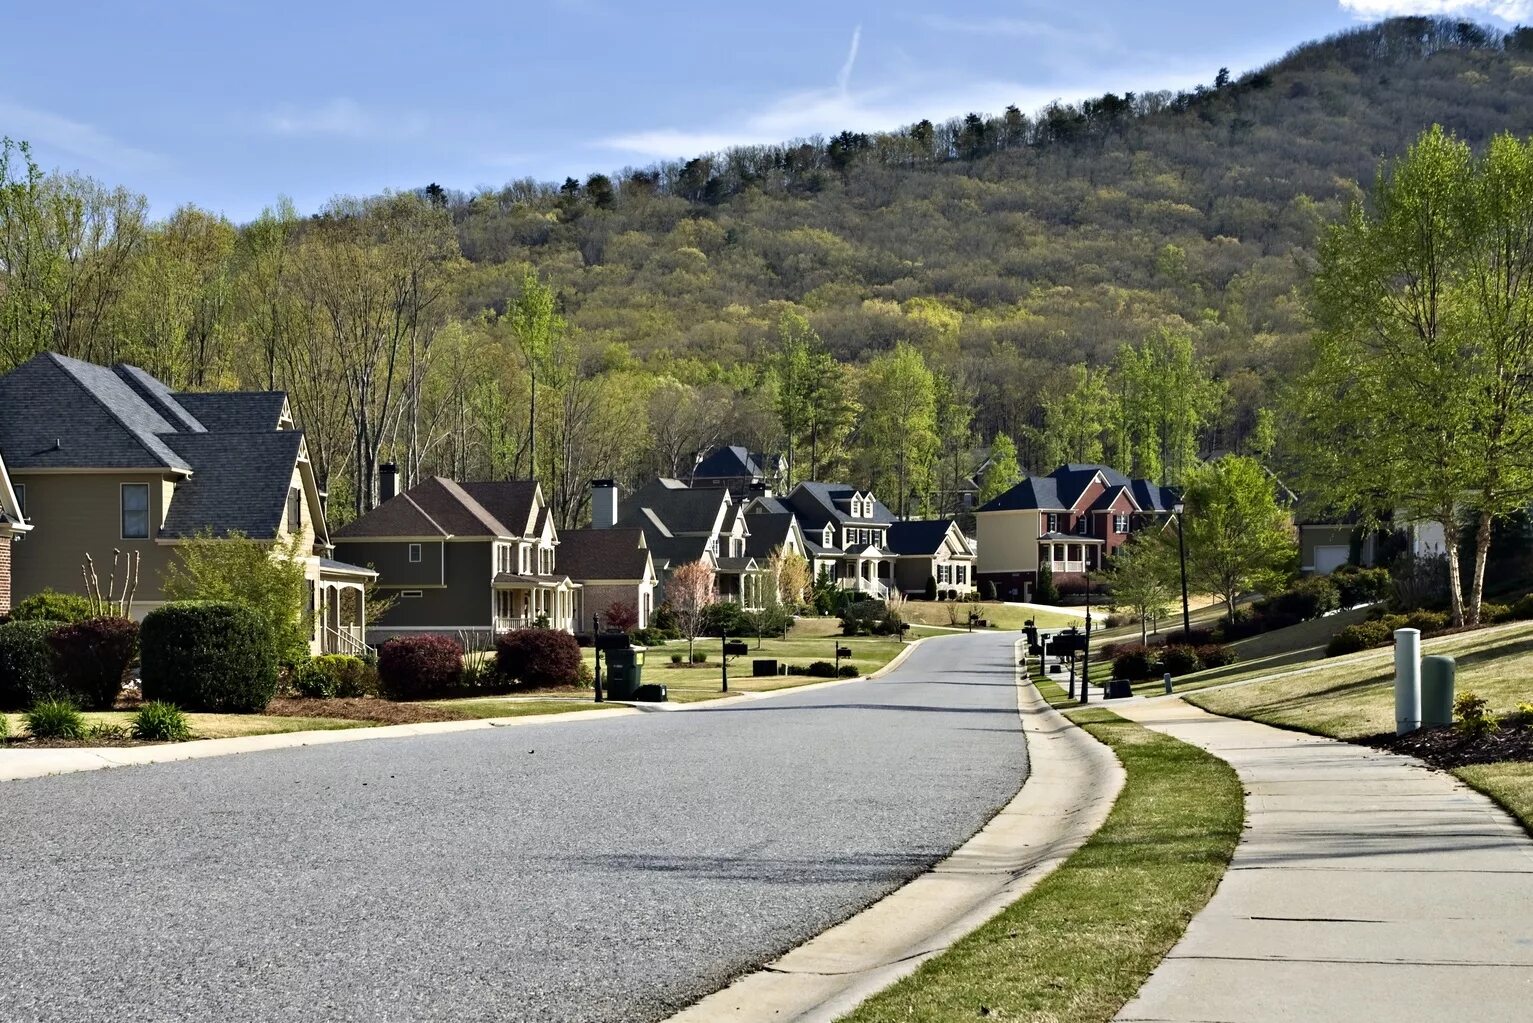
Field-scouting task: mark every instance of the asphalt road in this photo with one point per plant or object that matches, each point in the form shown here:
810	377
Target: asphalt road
603	870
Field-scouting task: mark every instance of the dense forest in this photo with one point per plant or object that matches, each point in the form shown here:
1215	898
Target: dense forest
1124	279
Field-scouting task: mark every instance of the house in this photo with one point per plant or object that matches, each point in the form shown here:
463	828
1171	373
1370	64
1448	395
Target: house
739	470
846	533
462	558
13	525
935	550
683	524
111	459
611	566
1073	520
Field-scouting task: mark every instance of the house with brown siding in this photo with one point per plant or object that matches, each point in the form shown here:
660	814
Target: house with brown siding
1073	520
111	459
463	558
611	566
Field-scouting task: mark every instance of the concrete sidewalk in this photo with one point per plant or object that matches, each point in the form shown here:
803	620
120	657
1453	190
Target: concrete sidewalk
1366	887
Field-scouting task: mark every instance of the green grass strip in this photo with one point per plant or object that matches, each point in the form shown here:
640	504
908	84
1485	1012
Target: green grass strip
1077	947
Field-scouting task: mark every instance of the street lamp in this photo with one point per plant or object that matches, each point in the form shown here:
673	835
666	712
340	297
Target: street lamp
1086	654
1181	542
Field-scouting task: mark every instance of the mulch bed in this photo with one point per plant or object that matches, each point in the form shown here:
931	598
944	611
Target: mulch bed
1448	747
364	708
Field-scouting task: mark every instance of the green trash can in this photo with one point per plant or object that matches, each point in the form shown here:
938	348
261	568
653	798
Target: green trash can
1437	676
625	672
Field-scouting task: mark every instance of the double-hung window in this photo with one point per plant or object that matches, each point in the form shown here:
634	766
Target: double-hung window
1053	523
135	511
414	553
1083	526
1120	523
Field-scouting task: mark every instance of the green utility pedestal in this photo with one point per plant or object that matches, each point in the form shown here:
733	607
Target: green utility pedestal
1437	675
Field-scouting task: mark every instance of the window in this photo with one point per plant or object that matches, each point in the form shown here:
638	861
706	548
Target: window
1084	525
415	553
410	594
521	558
1120	523
294	509
135	511
21	498
1053	523
963	573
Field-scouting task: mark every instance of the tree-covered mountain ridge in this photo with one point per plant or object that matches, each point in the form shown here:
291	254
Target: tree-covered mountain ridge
1009	247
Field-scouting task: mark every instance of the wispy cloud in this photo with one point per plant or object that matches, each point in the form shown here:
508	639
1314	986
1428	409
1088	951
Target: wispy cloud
844	79
50	131
1011	28
1504	10
342	118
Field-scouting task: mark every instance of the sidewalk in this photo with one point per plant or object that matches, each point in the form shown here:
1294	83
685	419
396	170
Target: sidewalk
1366	887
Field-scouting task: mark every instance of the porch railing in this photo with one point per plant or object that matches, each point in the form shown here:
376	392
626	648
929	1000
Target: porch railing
344	639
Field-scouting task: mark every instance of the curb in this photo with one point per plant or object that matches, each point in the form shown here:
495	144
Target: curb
18	765
1071	786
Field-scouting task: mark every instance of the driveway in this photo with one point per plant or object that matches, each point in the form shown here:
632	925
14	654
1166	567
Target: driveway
587	870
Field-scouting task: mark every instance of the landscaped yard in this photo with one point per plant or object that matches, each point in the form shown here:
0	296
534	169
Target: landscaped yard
1006	617
212	726
1077	947
1353	698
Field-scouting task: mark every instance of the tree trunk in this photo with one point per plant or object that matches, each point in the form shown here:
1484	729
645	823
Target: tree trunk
1481	556
1455	573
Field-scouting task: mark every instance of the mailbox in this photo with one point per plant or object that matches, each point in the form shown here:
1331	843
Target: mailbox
843	651
612	641
736	648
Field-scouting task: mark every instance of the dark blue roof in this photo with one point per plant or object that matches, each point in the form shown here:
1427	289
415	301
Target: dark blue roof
1062	488
818	503
923	536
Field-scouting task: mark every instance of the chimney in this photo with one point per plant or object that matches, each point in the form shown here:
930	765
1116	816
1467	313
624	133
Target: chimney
388	481
603	504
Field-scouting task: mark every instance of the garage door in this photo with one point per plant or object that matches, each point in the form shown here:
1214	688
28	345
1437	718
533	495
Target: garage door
1329	559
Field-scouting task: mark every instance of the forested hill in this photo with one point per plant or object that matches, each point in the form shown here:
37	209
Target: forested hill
1017	254
1043	240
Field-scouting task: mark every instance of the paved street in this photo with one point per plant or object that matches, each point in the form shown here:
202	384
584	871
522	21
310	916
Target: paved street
602	870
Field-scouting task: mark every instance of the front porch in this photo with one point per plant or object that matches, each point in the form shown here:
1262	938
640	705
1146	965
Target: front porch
1070	556
526	602
871	573
741	581
338	608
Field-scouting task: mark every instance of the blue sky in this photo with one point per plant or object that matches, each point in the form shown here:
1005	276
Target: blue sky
229	104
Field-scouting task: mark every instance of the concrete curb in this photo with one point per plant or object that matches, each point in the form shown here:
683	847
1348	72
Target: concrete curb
1072	784
16	765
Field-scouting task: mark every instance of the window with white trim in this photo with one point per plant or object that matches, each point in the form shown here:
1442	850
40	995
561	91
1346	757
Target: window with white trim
411	594
414	553
135	511
1053	523
1120	523
1084	525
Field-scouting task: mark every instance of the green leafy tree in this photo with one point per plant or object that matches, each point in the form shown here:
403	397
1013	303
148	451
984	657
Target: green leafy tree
1045	591
537	327
898	434
1003	472
1239	538
813	400
1142	577
1165	398
263	575
1075	416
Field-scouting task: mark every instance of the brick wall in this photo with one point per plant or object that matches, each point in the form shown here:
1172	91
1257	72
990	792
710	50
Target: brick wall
5	574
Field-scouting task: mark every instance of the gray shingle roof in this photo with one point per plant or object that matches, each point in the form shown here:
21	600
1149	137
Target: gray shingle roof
918	537
818	503
439	507
768	531
235	410
678	507
240	483
615	553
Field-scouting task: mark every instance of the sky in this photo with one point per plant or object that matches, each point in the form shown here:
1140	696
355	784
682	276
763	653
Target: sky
230	104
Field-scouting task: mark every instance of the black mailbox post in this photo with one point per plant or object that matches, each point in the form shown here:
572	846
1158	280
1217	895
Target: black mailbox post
841	651
731	648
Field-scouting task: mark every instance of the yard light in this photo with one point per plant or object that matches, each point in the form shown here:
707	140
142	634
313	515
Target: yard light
1181	543
596	648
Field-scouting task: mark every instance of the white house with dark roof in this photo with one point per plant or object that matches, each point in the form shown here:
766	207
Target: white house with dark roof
111	459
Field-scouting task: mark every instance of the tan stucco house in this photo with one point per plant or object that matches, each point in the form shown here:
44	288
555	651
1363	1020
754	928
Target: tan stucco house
111	459
462	558
1073	520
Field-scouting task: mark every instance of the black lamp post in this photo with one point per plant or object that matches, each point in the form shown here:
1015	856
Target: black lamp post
1181	542
596	648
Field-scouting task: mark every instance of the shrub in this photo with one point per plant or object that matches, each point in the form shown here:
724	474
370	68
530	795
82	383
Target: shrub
202	655
1362	636
482	676
1427	621
821	669
104	731
1132	660
1522	610
1245	622
987	589
91	659
1192	638
1216	655
726	618
699	657
310	680
869	618
5	728
665	622
55	719
350	677
647	637
419	667
1472	715
539	657
931	588
849	670
586	677
1179	660
677	658
622	616
26	664
53	606
1493	614
1306	600
157	721
1356	586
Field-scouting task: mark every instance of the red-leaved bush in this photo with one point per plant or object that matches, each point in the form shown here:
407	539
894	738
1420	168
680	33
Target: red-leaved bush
538	657
419	667
91	659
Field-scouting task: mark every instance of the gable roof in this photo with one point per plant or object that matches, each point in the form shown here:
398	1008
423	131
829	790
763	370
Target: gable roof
1109	497
614	553
768	531
730	461
437	506
924	536
678	508
818	503
1063	488
240	484
235	410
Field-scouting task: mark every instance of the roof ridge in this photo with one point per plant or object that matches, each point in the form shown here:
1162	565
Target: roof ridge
473	507
424	513
60	360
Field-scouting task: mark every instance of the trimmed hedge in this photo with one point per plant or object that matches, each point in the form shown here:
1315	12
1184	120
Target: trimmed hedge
311	682
26	664
539	657
419	667
208	656
1216	655
821	669
1356	586
91	659
53	606
1180	660
1132	661
349	676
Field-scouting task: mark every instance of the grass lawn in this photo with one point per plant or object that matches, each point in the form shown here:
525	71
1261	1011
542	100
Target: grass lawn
514	707
1511	785
1000	616
1080	944
213	726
